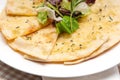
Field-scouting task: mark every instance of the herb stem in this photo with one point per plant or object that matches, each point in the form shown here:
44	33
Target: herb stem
71	20
54	8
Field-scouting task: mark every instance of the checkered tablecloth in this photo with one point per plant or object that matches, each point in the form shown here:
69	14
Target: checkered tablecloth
8	73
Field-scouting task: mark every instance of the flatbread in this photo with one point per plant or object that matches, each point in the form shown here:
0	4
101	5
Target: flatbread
64	43
97	32
103	21
15	26
28	57
110	28
77	45
38	44
108	45
22	7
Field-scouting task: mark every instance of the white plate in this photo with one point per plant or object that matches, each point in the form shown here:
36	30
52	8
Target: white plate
101	63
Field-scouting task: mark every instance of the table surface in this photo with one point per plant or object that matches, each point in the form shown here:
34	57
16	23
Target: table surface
8	73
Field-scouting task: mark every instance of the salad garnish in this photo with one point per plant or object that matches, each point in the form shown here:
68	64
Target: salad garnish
64	13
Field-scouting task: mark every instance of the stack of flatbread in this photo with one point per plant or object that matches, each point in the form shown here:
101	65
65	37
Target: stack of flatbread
98	32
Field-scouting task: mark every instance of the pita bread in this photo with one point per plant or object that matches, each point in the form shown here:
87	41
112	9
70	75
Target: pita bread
14	26
114	38
98	32
68	47
22	7
28	57
108	45
103	22
110	28
38	44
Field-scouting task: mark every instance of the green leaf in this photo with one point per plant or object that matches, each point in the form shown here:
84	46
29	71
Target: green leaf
79	6
66	4
59	28
74	25
42	17
65	25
